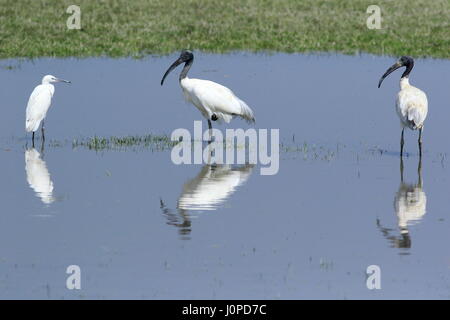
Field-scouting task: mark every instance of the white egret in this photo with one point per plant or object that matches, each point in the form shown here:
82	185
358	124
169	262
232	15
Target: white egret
39	103
214	101
38	176
412	104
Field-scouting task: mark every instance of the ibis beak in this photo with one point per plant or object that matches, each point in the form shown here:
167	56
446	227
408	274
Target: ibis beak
173	66
62	80
389	71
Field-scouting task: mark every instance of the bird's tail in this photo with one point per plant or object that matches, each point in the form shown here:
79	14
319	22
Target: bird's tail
415	118
246	112
30	125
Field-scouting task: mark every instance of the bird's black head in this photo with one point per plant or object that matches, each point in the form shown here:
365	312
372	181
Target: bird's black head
186	56
404	61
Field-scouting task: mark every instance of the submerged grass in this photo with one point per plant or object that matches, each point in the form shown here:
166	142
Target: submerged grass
152	142
36	28
308	151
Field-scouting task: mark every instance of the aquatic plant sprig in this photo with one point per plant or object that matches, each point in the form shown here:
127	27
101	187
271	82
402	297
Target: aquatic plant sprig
149	141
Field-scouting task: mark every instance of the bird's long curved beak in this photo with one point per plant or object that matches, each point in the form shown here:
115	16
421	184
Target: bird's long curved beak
389	71
62	80
173	66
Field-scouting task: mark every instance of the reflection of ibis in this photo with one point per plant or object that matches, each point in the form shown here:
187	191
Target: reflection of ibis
39	103
38	176
212	186
214	101
410	200
210	189
412	104
410	206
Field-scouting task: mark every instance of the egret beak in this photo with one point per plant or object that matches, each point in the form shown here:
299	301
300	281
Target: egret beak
173	66
389	71
62	80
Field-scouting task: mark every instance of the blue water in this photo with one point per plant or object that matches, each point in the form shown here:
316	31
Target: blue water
310	231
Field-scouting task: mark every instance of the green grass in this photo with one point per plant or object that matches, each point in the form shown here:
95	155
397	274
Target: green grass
152	142
36	28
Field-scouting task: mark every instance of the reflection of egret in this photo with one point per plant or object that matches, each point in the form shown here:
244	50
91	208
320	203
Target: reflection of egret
38	176
410	206
207	191
412	104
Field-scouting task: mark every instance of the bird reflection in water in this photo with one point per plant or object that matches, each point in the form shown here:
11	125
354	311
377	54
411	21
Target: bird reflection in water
38	176
209	190
410	206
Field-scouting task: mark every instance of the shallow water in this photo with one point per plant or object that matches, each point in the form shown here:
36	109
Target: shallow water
140	226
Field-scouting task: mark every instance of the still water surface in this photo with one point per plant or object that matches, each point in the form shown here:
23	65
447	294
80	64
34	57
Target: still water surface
141	227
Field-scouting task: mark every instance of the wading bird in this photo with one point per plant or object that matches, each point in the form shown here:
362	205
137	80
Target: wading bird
412	104
38	104
214	101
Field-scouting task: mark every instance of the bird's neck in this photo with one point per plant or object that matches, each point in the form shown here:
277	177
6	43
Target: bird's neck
186	68
404	82
46	83
409	67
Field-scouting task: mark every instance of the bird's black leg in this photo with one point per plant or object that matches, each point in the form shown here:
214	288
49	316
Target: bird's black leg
402	142
401	169
42	148
210	131
419	172
420	143
32	139
42	131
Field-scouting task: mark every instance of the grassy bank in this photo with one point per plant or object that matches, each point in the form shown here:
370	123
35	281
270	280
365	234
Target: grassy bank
34	28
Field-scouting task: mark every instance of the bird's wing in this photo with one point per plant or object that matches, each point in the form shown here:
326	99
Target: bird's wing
221	100
38	103
413	105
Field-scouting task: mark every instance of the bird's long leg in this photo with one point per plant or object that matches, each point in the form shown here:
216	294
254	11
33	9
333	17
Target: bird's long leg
420	143
32	139
402	142
42	148
210	131
401	169
419	172
43	131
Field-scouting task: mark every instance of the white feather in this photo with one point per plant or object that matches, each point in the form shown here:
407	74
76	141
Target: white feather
38	105
213	98
412	105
